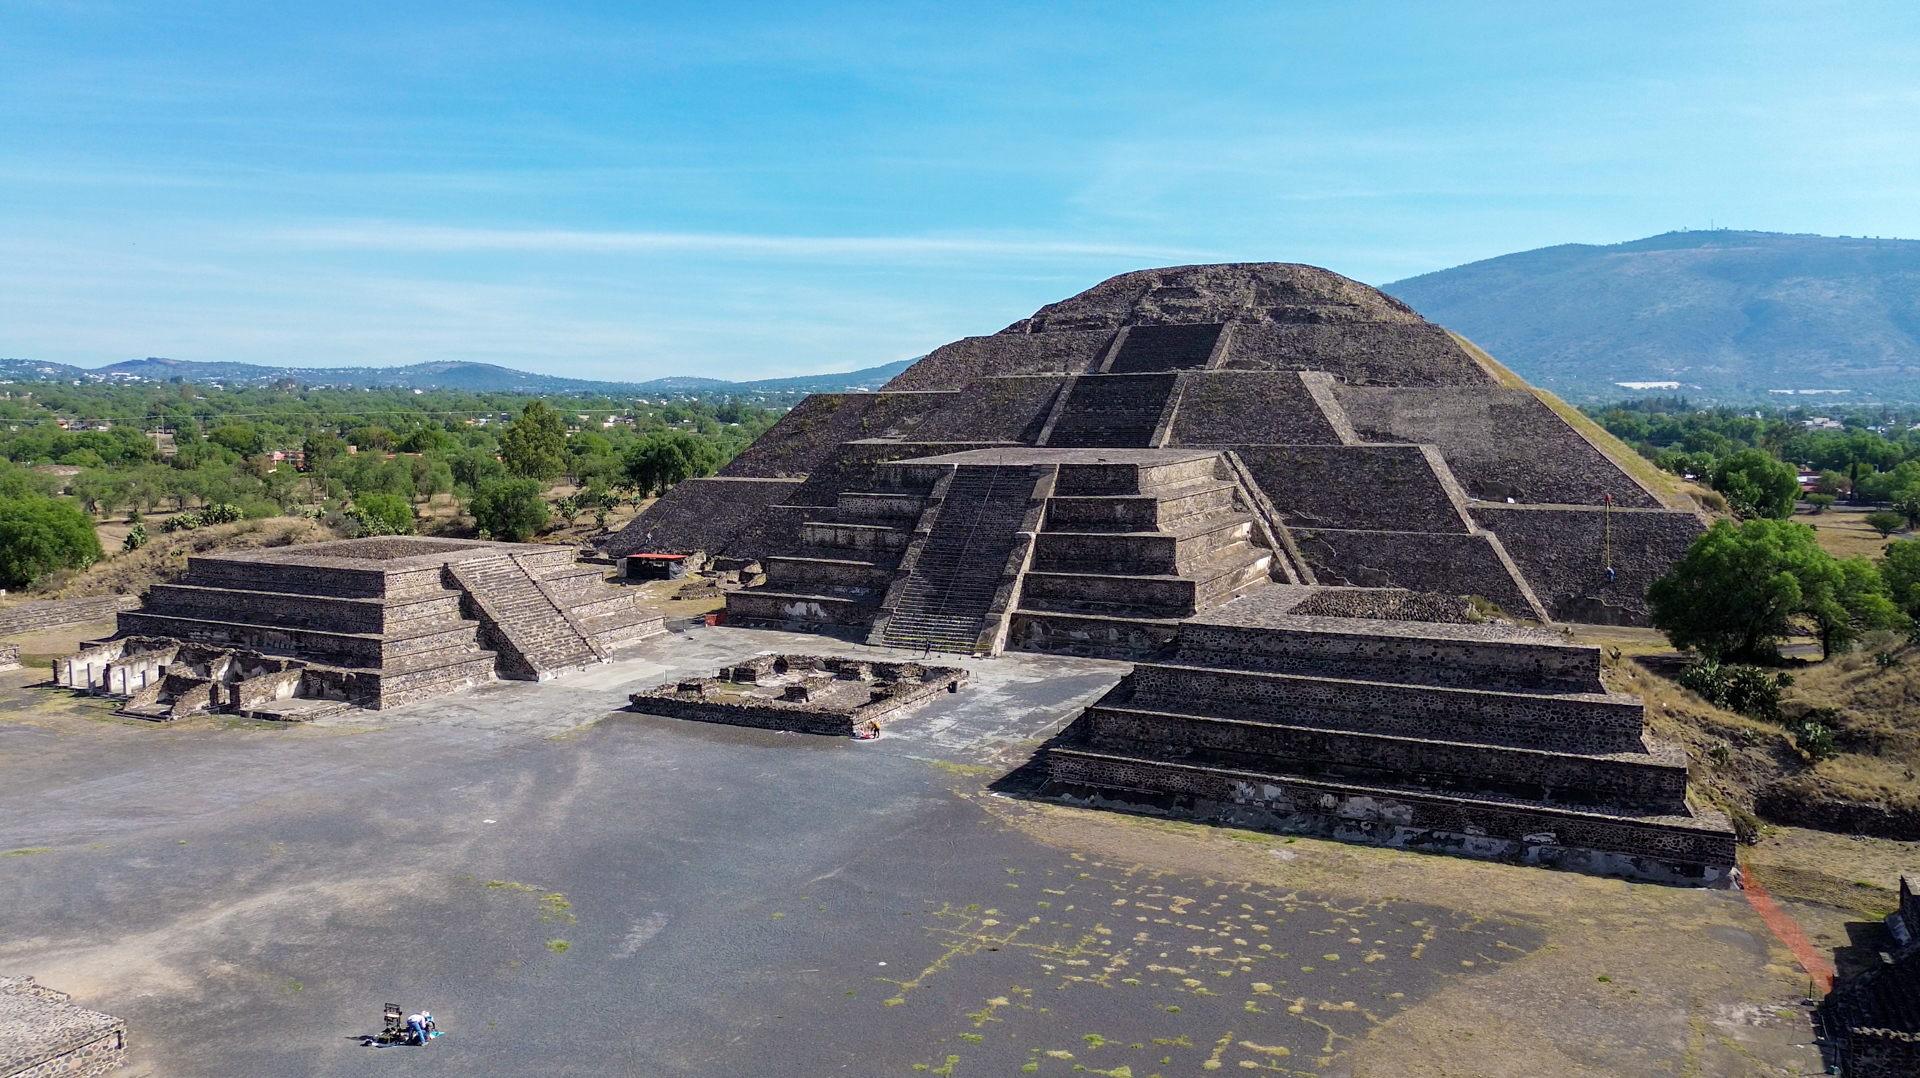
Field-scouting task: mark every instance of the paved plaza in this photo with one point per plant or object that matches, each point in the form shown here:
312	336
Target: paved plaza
574	888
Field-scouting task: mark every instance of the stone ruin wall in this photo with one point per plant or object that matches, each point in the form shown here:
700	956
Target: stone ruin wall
1250	407
1500	443
1384	353
1354	487
1563	554
1456	564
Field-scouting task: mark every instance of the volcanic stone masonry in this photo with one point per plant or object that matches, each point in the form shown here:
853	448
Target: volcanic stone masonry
1361	445
1275	489
42	1035
810	694
295	632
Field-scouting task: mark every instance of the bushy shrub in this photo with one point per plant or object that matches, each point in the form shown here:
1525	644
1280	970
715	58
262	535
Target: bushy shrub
1746	689
1813	734
1885	522
136	538
381	514
41	535
510	510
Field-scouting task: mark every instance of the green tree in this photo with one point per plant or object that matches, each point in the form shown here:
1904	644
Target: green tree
510	510
1900	571
1885	522
1906	502
241	439
321	449
1740	589
1757	485
383	514
1859	603
663	459
1821	502
39	535
535	445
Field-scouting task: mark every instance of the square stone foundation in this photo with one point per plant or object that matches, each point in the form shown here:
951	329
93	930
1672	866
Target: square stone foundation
810	694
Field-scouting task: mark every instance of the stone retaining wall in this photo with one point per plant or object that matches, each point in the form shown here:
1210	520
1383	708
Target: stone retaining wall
1354	487
1248	407
1655	783
1571	722
1382	353
1417	561
41	615
1661	849
1500	443
954	365
1347	648
1564	554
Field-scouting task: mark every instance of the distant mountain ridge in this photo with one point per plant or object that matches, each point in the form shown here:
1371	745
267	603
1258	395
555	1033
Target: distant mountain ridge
472	377
1730	316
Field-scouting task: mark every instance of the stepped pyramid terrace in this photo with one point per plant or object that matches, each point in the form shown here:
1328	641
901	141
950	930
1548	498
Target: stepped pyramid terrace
1275	490
298	632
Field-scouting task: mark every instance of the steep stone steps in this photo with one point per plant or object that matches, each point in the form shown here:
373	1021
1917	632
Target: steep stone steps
959	569
1165	348
1112	410
537	638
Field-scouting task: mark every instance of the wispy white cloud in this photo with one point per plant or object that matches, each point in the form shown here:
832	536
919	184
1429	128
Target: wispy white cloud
379	236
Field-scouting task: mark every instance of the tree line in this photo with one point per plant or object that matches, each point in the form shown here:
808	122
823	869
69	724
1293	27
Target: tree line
366	458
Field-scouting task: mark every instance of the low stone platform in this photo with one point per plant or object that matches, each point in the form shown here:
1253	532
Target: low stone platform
370	622
42	1035
1485	740
809	694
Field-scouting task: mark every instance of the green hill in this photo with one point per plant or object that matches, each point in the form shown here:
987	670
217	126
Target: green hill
1730	316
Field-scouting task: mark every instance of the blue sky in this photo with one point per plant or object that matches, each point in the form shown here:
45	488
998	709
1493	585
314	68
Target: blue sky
637	190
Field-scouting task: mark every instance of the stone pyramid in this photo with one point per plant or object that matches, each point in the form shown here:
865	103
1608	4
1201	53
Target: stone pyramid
1230	423
1277	491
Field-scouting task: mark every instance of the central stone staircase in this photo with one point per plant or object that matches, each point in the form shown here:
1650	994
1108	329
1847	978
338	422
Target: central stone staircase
958	570
1107	410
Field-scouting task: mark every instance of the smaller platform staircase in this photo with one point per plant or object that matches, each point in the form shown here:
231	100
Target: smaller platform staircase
537	636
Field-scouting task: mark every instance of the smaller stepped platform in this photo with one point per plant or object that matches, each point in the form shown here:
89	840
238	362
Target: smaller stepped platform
1134	542
42	1034
368	622
810	694
835	573
1476	739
